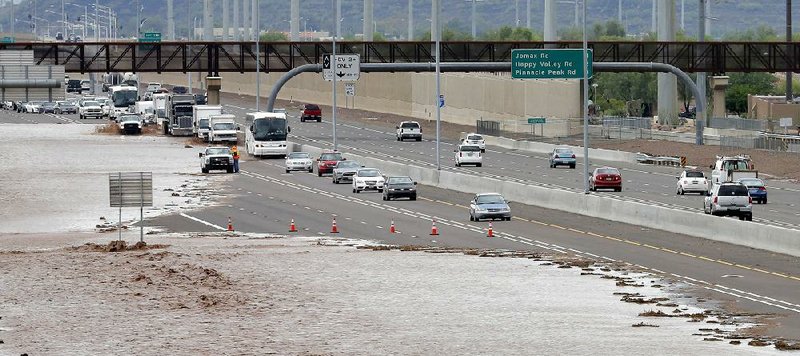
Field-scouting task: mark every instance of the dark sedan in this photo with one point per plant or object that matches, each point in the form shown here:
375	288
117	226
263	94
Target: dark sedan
399	187
48	108
66	108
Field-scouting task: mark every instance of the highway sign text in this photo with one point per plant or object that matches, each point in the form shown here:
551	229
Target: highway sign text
346	67
548	64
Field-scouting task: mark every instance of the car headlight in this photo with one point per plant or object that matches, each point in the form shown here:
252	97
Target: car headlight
479	208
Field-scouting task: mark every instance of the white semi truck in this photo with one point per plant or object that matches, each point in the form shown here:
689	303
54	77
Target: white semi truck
201	114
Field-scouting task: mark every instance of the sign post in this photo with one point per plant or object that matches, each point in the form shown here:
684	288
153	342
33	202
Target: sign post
131	189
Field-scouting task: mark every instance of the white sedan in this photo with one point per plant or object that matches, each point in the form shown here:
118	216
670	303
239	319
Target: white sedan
476	140
299	161
692	181
33	107
368	179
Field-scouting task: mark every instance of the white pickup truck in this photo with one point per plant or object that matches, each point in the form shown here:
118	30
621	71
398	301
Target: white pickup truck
409	129
222	128
731	168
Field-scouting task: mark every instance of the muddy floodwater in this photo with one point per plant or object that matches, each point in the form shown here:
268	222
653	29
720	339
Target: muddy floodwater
224	294
55	177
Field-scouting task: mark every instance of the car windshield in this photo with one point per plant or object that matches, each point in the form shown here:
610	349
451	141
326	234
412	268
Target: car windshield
331	157
474	137
694	175
218	151
126	118
752	182
735	165
733	190
91	103
124	97
203	124
369	173
224	126
470	148
298	155
608	171
409	125
400	180
490	199
348	164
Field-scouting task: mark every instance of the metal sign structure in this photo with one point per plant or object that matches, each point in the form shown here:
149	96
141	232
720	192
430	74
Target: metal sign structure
130	190
346	67
549	64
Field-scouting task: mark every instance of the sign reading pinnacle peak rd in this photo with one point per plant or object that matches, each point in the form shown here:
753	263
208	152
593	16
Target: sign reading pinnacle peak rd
549	64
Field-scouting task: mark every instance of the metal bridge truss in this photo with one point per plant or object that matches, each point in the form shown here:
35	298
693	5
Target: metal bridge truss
218	57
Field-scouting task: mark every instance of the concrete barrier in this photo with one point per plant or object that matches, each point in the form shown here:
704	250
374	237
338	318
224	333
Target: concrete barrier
729	230
540	147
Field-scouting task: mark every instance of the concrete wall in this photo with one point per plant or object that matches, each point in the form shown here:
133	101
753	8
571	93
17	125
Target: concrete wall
468	96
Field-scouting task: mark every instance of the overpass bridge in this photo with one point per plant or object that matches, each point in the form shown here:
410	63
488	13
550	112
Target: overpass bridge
220	57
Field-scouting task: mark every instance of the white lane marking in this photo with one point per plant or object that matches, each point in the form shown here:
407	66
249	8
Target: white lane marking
203	222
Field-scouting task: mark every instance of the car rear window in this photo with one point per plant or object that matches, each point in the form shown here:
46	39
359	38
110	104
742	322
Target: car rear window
563	151
400	180
608	171
470	148
733	190
752	182
331	157
694	175
474	137
311	107
409	125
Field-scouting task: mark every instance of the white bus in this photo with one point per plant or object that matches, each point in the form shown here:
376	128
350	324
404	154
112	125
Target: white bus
122	98
266	134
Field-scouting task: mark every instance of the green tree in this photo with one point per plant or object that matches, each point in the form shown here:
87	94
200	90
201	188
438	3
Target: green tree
614	89
378	37
742	84
272	36
507	33
762	33
448	34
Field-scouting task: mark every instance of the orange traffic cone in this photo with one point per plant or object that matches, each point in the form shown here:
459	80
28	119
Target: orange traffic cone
334	229
292	228
391	228
230	224
434	230
490	233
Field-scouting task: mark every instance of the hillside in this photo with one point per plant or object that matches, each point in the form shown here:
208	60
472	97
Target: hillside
390	15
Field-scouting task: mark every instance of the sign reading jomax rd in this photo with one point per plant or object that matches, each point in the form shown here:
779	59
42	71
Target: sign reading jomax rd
548	64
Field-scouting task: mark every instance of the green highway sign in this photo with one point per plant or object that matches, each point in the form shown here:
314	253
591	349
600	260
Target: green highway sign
7	40
151	37
536	120
548	64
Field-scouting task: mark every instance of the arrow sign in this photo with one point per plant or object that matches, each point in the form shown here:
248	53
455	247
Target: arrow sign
345	67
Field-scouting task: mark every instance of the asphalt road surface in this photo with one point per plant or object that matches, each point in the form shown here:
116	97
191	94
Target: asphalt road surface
655	185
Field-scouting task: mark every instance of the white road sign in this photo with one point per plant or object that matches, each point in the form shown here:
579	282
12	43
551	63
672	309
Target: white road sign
786	122
350	89
347	67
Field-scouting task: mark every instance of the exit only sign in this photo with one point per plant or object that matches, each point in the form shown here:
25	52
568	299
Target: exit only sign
549	64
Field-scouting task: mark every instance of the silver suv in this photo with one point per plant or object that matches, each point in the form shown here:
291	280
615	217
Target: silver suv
729	199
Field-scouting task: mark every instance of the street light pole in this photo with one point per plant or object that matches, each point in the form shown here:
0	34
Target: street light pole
585	105
333	67
437	12
258	56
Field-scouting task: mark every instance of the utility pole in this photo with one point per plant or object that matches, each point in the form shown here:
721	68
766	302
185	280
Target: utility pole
236	33
171	19
333	66
64	19
528	15
258	56
585	105
516	13
254	18
368	30
654	19
434	21
294	21
339	21
550	20
474	11
789	94
619	11
437	11
708	17
225	24
410	20
701	76
683	10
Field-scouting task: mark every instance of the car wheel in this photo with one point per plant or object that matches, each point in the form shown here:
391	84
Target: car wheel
80	117
229	170
413	197
680	191
764	201
287	171
749	217
479	165
398	138
380	190
311	170
335	181
705	192
618	189
741	217
572	166
419	139
471	218
204	170
319	173
458	165
358	190
508	218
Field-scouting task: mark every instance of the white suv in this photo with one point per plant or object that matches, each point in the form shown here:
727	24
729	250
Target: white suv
731	199
409	129
468	154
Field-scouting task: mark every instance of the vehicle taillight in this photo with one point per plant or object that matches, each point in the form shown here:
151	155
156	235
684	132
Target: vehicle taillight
573	156
715	200
762	188
460	154
750	200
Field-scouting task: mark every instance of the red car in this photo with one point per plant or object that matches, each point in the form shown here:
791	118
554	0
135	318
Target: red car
605	178
311	112
327	160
